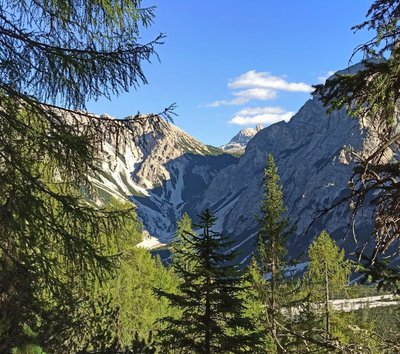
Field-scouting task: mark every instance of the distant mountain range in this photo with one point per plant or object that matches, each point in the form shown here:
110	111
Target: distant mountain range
174	173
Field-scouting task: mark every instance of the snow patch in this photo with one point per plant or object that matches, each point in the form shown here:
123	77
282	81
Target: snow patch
150	242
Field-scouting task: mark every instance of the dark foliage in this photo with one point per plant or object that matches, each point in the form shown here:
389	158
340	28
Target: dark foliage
55	55
372	96
212	319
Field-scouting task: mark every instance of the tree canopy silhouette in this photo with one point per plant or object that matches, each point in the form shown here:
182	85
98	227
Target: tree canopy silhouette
54	56
372	95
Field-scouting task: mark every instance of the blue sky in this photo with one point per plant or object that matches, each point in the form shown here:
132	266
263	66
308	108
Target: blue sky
230	64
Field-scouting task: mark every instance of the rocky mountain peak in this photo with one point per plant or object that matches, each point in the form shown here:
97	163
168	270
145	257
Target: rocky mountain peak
239	141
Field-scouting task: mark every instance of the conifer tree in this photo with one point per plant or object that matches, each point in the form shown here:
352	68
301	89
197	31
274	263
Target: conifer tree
181	242
327	277
328	273
312	325
256	298
184	226
212	312
271	246
55	55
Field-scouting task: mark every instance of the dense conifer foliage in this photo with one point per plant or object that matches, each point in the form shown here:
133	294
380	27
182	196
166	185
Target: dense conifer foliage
271	248
211	316
54	242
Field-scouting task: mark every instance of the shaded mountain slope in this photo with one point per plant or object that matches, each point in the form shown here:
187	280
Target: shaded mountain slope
173	173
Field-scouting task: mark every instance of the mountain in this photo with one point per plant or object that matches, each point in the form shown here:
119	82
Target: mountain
310	152
174	173
164	173
238	143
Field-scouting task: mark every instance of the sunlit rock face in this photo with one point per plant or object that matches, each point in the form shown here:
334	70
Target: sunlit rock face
164	174
310	154
173	173
239	142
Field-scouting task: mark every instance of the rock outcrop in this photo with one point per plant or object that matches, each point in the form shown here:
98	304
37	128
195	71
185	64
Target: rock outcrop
164	173
310	154
174	173
238	143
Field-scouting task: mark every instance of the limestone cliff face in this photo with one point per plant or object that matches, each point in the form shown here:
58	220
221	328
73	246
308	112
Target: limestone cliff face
314	170
238	143
164	173
173	173
142	158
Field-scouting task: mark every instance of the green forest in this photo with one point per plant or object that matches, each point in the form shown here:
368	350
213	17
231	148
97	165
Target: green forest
72	278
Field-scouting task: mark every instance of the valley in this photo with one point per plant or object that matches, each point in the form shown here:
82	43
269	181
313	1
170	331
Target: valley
173	173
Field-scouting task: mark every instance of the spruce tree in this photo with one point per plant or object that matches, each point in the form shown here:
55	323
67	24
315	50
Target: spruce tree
212	312
271	247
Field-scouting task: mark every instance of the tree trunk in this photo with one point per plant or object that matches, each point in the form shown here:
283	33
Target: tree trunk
327	310
273	288
207	314
274	277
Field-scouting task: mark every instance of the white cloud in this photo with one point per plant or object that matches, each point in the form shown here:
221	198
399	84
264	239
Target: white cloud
251	111
245	96
265	80
261	115
219	103
259	86
256	94
326	76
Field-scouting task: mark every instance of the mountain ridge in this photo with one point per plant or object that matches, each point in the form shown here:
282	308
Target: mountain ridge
174	173
239	142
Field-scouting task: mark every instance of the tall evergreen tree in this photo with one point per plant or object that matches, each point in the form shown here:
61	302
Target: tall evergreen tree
212	312
271	246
